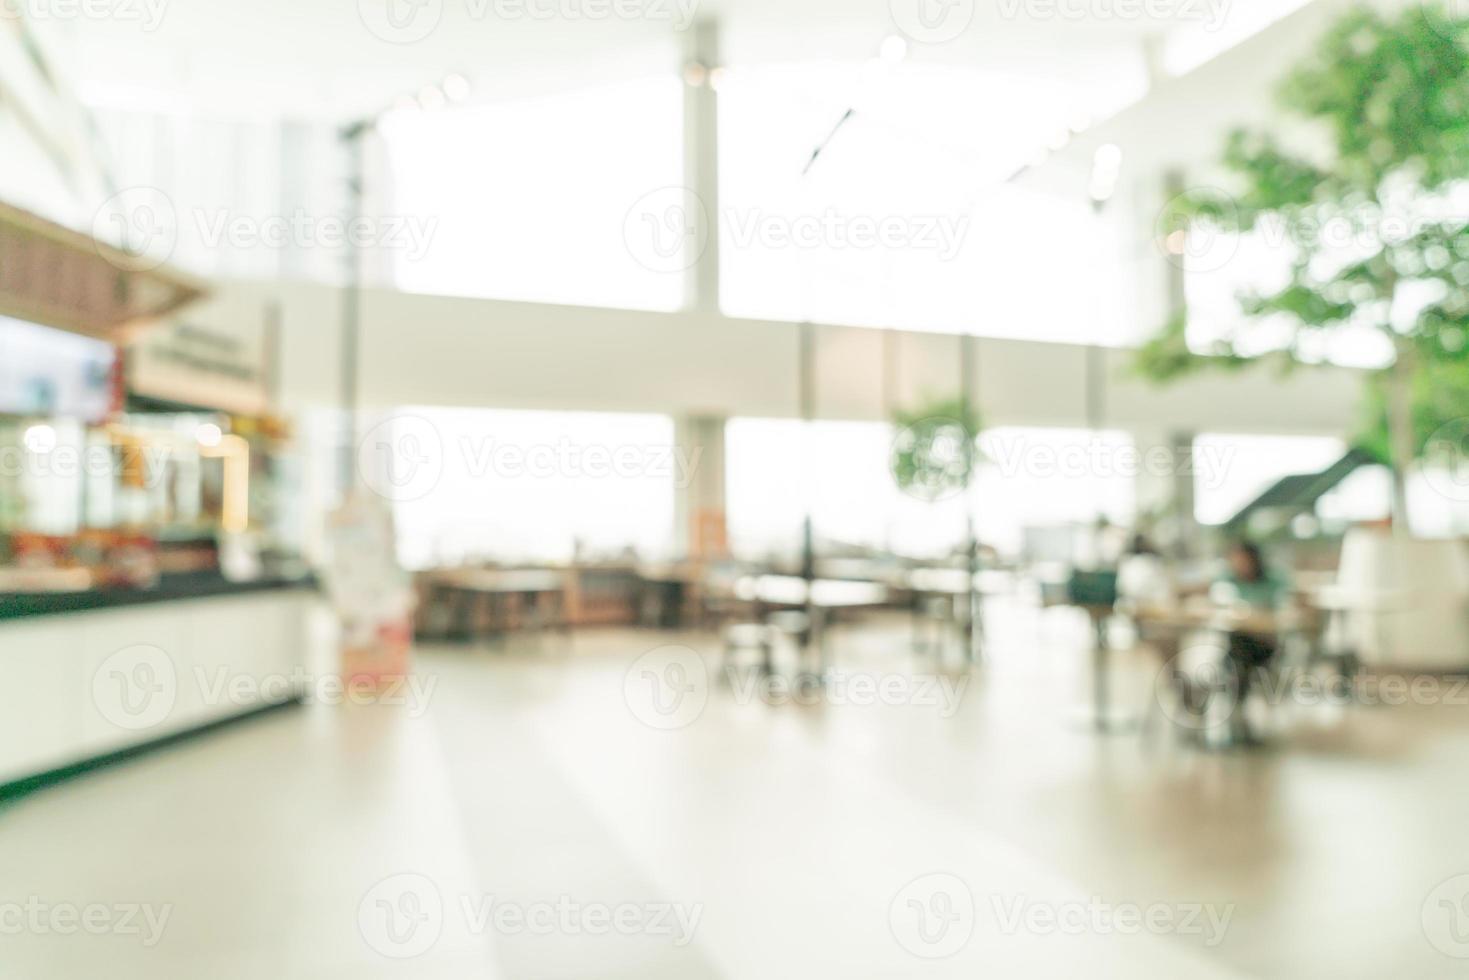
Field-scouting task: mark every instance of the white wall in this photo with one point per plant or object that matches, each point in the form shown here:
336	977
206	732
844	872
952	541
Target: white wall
432	350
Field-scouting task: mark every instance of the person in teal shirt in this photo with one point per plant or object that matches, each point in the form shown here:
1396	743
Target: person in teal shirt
1254	584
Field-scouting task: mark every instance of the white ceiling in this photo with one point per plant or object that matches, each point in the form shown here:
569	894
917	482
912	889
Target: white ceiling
319	57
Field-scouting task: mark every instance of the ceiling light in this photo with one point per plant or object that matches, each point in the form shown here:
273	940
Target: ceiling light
209	435
457	88
432	98
1106	169
894	49
39	439
1109	158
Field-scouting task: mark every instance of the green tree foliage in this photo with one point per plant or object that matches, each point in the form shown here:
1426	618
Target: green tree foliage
1371	215
935	451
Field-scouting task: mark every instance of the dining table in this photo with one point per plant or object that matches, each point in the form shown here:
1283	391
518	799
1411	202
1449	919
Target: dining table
819	598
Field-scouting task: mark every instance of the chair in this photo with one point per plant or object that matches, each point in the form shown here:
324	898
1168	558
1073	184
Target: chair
762	638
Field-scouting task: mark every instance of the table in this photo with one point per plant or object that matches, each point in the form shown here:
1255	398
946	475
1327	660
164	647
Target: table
955	584
491	589
818	597
1165	626
792	590
664	590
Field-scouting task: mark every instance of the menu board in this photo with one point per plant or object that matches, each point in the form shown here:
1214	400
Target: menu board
51	373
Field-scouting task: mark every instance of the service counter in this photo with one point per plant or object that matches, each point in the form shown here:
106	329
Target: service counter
90	675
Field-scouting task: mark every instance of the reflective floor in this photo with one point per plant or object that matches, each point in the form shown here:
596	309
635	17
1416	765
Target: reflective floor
601	806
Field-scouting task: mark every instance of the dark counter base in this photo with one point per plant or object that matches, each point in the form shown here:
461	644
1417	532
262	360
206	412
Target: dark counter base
10	792
24	605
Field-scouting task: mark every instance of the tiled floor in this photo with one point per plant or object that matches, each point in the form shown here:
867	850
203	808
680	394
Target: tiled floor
547	812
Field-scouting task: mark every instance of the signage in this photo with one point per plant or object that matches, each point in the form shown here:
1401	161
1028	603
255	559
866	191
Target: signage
46	372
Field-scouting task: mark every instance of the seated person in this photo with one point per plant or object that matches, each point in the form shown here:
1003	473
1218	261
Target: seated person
1249	582
1142	574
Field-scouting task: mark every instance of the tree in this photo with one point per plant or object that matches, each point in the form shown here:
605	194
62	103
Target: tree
1372	210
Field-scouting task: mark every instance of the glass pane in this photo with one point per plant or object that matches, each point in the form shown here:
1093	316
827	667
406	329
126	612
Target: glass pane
1232	470
540	486
906	218
530	196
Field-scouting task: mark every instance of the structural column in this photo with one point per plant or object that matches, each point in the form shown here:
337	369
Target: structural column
1165	489
700	514
701	163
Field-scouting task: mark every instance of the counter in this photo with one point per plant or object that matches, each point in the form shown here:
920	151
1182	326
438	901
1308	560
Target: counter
18	605
89	676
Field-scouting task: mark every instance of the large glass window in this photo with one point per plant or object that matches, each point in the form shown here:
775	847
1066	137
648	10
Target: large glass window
529	197
1029	479
1232	470
841	471
907	217
532	486
1040	480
